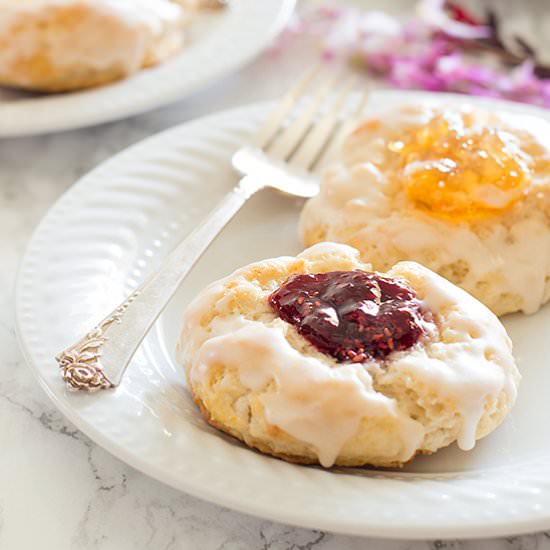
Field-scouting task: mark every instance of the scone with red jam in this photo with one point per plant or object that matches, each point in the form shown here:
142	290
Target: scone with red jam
319	359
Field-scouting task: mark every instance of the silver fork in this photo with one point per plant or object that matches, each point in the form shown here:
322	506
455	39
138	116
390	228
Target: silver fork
301	133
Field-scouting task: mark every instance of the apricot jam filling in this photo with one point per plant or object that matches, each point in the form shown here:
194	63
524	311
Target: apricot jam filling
452	168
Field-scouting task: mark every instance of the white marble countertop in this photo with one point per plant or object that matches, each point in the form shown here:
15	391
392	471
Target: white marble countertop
58	490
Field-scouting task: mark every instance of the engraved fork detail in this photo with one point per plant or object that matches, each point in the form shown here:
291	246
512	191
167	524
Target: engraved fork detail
81	364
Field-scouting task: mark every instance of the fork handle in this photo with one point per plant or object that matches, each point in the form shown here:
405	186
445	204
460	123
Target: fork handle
99	359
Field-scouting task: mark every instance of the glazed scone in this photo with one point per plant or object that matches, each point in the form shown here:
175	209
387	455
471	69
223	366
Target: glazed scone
64	45
465	193
372	369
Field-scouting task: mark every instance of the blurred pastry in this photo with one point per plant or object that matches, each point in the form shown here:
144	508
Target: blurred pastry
64	45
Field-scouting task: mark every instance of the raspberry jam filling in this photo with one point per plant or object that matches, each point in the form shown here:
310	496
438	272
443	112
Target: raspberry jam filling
351	315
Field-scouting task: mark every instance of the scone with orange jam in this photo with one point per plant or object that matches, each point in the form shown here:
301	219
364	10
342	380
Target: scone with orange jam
318	359
465	193
64	45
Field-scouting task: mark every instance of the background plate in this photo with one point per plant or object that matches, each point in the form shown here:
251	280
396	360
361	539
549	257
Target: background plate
219	43
114	226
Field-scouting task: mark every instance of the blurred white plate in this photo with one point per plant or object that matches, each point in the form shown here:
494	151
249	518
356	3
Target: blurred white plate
219	42
116	224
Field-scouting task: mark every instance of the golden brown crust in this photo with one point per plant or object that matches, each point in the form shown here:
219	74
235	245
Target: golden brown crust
260	445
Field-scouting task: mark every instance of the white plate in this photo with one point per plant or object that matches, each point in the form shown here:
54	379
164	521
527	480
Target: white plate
219	43
116	224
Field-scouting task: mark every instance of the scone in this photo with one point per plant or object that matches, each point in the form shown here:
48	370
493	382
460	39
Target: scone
465	193
317	359
64	45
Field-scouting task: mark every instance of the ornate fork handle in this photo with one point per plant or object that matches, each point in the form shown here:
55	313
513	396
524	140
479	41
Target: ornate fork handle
99	359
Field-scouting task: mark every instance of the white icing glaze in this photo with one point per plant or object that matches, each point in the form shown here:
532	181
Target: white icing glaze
311	401
138	24
522	263
474	360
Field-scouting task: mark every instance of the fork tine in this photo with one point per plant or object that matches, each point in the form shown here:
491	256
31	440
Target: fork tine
335	140
283	108
286	143
313	144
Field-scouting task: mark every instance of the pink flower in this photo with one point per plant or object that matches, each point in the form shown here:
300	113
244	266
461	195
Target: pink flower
429	53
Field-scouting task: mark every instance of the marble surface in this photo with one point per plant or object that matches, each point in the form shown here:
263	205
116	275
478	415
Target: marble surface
58	490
